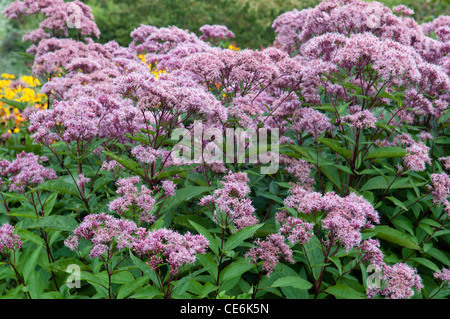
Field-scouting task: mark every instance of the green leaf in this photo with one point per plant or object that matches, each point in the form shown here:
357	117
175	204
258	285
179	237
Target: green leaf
379	182
61	186
55	222
315	255
126	162
183	195
147	292
50	203
145	268
27	235
445	116
345	292
397	202
439	255
335	147
209	264
130	287
273	197
394	236
176	170
240	236
292	281
19	105
99	283
386	152
30	264
203	231
235	269
426	262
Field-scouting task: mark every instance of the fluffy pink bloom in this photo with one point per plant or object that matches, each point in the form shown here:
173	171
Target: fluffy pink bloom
139	202
372	253
231	203
311	121
296	230
360	120
417	153
446	162
111	166
8	240
441	190
303	200
403	10
26	171
298	168
165	245
346	217
169	187
215	32
443	275
82	181
145	154
270	251
425	136
58	18
400	281
102	230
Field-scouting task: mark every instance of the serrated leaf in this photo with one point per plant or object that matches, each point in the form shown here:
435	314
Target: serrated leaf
292	281
386	152
55	222
235	269
335	147
184	194
345	292
427	263
203	231
126	162
240	236
394	236
130	287
150	273
397	202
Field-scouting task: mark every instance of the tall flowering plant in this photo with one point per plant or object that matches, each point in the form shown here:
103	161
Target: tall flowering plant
350	106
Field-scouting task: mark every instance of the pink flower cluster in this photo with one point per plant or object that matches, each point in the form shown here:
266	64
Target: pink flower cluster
8	240
441	190
360	120
59	16
296	230
311	121
25	171
270	251
139	203
400	282
417	153
446	162
102	231
345	216
168	246
215	32
443	275
232	206
358	35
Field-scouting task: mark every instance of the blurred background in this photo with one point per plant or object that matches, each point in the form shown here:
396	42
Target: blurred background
250	20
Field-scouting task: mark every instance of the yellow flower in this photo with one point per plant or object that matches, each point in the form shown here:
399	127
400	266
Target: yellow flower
31	80
8	76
